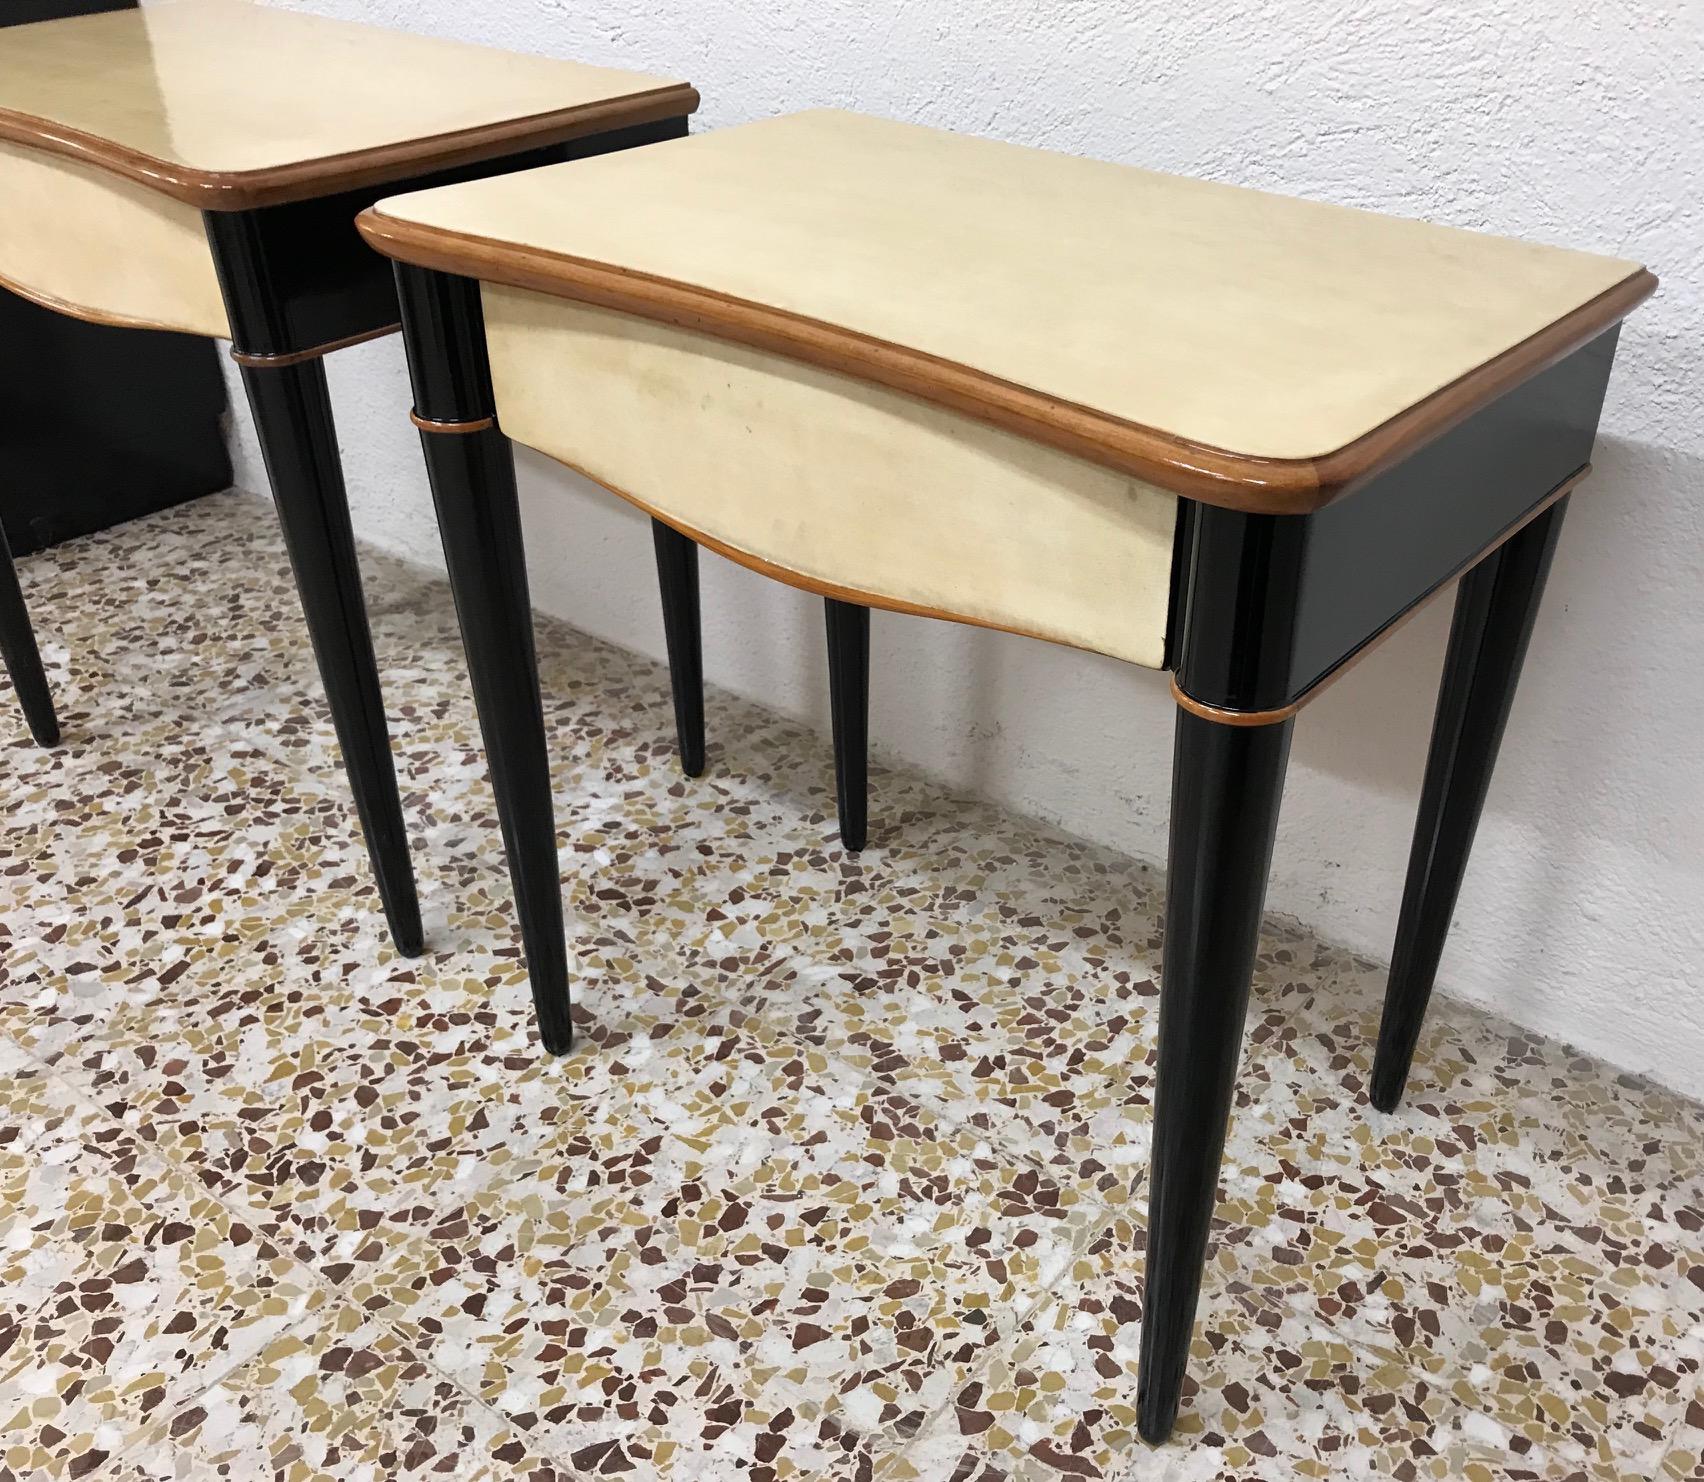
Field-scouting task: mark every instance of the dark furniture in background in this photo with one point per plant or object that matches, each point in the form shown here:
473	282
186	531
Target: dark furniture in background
114	423
108	423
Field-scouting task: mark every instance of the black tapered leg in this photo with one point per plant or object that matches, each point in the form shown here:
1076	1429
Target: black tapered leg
1496	605
849	700
473	488
677	576
292	414
472	472
1226	785
23	659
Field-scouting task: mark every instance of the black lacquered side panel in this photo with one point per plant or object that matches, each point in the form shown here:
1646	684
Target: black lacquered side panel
443	326
26	12
299	276
1272	604
1183	535
616	139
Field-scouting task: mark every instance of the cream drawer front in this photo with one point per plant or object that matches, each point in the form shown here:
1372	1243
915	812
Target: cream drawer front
842	484
100	247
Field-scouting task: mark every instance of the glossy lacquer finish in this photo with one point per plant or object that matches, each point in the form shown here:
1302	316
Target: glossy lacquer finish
473	487
117	424
1242	341
293	420
23	660
228	106
848	627
677	578
297	279
1272	604
1496	607
26	12
292	415
1227	782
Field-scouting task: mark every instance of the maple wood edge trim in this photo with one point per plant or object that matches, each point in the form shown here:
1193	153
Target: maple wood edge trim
313	352
56	305
453	429
1192	470
244	190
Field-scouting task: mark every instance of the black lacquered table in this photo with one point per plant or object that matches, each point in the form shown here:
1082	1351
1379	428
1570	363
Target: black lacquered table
1225	434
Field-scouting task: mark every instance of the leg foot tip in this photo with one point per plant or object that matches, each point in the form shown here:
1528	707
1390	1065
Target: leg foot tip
1156	1405
45	736
1155	1430
553	1013
1386	1090
408	938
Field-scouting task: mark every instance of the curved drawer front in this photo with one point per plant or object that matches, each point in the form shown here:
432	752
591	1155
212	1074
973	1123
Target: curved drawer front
842	484
99	247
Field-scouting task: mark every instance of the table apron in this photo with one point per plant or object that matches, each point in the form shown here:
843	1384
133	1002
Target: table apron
1271	606
833	484
84	242
298	279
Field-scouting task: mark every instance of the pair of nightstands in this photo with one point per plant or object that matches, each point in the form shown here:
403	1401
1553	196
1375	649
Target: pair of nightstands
1207	430
198	167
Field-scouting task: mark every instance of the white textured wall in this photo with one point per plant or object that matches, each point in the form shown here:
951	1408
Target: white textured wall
1583	914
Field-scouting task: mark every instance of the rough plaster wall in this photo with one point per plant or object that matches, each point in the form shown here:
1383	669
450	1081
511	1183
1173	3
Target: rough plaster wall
1582	124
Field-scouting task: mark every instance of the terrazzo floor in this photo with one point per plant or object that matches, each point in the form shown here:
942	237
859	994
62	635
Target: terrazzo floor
843	1179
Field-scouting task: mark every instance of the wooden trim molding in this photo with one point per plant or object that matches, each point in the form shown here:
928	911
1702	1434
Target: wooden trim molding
425	424
1211	475
782	574
296	357
1247	717
1319	686
243	190
57	305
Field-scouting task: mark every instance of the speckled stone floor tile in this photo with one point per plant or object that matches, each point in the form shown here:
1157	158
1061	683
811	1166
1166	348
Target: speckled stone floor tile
811	1243
1276	1393
338	1396
163	1292
844	1178
73	1187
